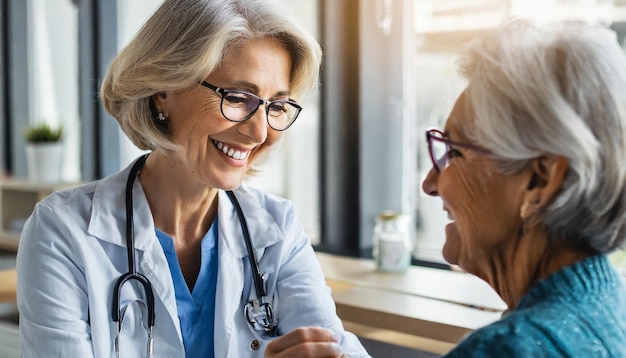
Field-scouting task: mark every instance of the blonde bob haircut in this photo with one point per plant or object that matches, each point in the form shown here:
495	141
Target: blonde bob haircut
557	90
182	43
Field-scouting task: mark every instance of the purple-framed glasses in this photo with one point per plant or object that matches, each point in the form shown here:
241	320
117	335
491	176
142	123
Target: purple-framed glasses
439	147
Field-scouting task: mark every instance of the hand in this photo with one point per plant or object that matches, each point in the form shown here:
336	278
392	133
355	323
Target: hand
305	342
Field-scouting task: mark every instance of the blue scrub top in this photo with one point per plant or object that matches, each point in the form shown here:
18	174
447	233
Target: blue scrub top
196	309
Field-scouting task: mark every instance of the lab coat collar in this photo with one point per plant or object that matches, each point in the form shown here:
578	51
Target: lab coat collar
108	223
264	230
108	216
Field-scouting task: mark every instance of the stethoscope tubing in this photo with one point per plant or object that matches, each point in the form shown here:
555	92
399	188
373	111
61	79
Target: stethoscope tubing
258	278
269	324
132	273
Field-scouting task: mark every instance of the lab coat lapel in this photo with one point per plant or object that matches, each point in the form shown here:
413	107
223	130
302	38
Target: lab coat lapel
227	297
232	251
108	223
152	260
262	226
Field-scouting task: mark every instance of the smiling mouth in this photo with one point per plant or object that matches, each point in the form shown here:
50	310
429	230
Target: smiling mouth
233	153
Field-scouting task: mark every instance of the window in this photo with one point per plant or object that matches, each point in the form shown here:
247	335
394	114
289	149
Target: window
53	74
293	170
440	27
131	14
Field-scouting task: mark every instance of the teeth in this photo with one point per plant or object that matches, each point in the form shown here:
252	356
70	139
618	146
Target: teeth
235	154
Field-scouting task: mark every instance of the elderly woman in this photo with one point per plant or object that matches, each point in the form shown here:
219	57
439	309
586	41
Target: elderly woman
531	169
173	256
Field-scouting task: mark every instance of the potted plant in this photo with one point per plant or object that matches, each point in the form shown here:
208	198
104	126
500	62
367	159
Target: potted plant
44	152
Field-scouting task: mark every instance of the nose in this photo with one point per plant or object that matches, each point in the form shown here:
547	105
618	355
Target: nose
255	127
429	185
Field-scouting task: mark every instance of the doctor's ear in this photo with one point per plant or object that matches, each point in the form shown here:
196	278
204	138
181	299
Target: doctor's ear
158	106
546	177
159	99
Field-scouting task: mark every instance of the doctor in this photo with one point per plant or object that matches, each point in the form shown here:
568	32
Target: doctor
207	87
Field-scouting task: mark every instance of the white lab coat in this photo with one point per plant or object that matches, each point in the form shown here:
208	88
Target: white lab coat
73	250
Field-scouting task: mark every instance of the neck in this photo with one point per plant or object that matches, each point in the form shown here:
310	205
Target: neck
181	206
515	268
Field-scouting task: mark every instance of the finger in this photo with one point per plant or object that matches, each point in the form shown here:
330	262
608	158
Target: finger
305	334
308	350
302	335
313	350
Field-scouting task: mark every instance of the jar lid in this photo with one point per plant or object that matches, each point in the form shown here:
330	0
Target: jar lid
388	215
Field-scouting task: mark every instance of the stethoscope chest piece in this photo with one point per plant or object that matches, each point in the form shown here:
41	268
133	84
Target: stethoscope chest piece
258	313
261	316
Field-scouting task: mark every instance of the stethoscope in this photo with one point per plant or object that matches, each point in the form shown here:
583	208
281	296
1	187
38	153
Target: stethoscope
258	313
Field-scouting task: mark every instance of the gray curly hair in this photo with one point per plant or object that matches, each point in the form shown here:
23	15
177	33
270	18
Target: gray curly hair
559	89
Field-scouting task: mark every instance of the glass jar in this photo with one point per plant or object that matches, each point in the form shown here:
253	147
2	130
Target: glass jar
392	242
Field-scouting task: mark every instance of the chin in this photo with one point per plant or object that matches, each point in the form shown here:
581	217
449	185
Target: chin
227	184
231	187
452	246
450	253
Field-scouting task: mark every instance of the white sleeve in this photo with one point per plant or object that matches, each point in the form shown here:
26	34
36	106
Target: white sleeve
51	288
304	297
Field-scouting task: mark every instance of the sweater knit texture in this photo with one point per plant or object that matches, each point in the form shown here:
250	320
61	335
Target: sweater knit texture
579	311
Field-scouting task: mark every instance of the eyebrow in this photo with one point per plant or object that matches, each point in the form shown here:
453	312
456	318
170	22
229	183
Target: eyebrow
251	87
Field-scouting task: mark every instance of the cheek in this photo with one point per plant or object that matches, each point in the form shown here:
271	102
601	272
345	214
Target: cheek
273	136
191	117
464	192
486	209
467	196
271	145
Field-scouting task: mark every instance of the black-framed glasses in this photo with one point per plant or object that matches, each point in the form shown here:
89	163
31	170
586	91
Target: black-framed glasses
239	106
439	147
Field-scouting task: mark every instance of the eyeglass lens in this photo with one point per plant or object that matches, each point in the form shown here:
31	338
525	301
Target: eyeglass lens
238	106
438	150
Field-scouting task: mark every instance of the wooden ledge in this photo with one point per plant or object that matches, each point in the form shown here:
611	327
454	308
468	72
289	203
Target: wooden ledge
8	285
428	304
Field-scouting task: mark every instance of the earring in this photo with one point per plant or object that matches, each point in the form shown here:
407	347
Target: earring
161	116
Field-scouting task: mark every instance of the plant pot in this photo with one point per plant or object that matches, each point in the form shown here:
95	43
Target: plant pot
44	162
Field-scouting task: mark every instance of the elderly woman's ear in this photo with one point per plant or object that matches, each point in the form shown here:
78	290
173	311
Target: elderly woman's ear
546	176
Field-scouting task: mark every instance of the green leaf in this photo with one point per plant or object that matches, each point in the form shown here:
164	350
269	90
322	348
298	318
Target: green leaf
43	133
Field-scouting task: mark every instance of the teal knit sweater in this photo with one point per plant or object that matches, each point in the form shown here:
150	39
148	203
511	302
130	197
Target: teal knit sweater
579	311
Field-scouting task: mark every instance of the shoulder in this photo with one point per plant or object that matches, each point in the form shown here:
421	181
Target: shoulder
70	196
548	329
81	198
65	211
279	208
64	205
507	338
265	199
